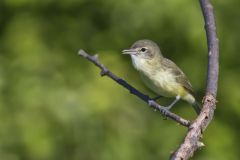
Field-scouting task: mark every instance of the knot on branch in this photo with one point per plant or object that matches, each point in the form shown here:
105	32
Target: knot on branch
104	72
210	99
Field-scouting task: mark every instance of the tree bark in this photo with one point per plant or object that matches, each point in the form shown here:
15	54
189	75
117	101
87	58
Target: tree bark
191	142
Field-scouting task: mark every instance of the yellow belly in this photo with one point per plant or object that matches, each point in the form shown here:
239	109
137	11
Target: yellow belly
164	84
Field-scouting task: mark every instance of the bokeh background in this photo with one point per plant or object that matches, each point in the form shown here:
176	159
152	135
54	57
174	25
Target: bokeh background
55	106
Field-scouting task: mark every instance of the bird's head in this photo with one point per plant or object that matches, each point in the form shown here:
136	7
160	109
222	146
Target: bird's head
144	49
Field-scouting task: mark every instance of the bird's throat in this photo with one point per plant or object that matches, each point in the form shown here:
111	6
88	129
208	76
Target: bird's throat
145	65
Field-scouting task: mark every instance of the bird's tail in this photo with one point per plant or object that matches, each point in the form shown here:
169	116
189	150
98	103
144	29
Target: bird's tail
197	107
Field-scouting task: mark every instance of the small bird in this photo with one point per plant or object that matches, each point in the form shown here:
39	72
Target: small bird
160	74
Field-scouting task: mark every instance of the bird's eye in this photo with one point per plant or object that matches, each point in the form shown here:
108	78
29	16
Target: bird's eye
143	49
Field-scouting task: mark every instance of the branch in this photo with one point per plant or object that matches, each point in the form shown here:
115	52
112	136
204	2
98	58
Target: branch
145	98
191	142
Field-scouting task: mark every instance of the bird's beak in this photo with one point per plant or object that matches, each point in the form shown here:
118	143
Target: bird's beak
129	51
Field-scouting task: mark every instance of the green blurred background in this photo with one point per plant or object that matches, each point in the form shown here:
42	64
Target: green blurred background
55	106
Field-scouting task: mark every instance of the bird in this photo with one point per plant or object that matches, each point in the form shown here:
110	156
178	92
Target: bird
160	74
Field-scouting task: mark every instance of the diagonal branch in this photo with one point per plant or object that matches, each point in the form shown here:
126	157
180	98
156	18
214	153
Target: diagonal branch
145	98
191	142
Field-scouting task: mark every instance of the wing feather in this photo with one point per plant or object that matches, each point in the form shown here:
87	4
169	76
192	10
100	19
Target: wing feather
178	73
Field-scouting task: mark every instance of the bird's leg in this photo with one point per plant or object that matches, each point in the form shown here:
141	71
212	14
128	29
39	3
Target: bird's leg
156	98
174	102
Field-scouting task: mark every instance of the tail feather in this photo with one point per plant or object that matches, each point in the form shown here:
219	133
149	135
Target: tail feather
197	107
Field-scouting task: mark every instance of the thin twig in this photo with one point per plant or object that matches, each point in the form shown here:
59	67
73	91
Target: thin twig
145	98
191	141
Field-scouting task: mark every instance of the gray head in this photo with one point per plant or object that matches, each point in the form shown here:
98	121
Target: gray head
144	49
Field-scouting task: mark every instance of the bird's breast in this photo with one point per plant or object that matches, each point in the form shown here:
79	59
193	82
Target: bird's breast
162	83
158	79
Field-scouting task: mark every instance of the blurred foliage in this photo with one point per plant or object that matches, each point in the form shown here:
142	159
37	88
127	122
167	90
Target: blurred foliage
54	105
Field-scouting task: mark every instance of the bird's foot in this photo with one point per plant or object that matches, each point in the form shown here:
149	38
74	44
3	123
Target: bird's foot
164	110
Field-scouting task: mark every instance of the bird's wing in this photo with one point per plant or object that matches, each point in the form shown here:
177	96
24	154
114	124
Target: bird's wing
178	73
